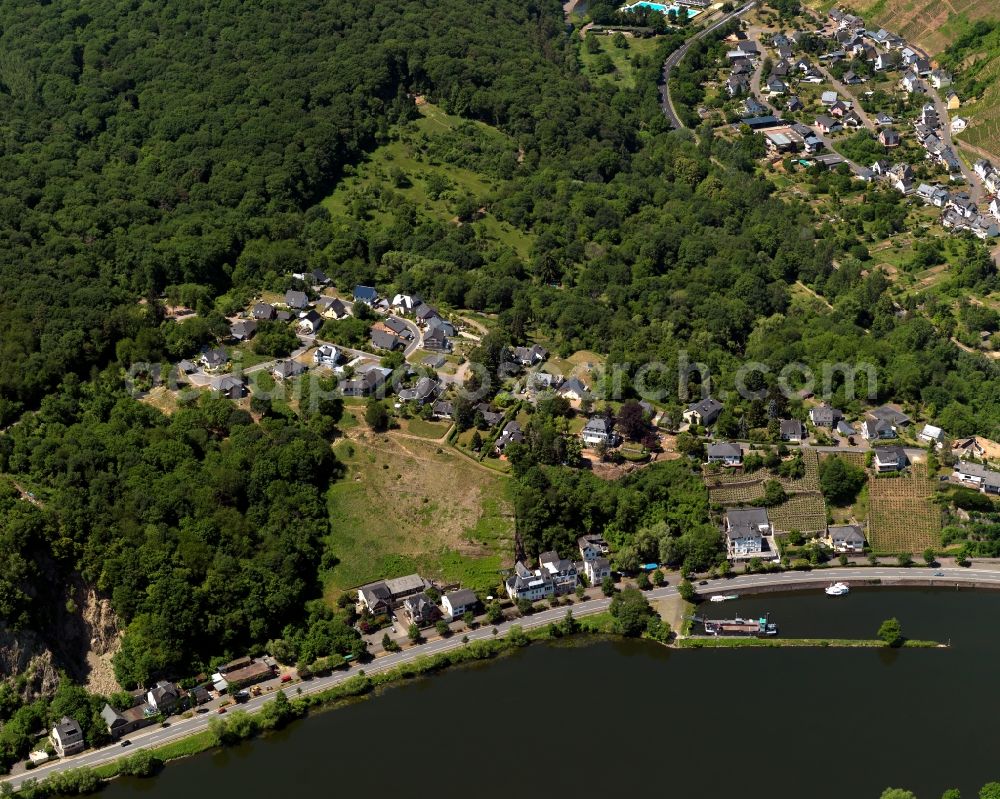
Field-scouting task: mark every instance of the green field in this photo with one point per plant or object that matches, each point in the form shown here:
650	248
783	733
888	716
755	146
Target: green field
409	505
616	64
408	165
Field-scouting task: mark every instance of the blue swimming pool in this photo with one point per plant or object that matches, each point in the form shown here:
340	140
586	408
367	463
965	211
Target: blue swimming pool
662	8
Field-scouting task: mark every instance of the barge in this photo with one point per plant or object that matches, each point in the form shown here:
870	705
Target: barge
758	628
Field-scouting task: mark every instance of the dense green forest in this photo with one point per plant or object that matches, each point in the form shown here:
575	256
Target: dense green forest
185	148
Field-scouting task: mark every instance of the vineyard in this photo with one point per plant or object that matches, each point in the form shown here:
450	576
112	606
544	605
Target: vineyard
736	493
902	516
803	512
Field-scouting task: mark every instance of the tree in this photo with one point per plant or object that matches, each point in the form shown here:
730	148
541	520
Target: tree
840	481
658	578
891	632
494	613
376	415
580	592
686	590
990	790
608	586
632	420
897	793
930	557
413	633
631	611
905	559
642	581
524	606
468	618
388	644
477	441
442	628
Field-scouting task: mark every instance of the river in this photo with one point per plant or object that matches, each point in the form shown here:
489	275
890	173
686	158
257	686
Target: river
631	718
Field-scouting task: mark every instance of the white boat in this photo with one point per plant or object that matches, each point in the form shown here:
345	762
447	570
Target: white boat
837	589
723	597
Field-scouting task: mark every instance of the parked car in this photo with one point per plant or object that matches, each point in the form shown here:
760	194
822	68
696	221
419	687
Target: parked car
222	710
286	677
126	742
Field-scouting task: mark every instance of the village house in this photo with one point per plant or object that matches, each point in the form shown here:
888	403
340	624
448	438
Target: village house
953	102
436	340
331	308
67	737
263	312
163	697
366	383
405	303
286	370
737	85
845	428
882	119
529	356
214	359
825	416
958	124
455	604
381	597
875	429
726	453
889	459
423	392
528	584
365	294
119	724
385	339
828	98
745	529
296	300
425	313
791	430
562	572
574	390
596	570
846	538
703	413
932	195
592	546
511	435
978	476
443	409
421	610
901	178
229	386
242	672
939	78
598	430
827	124
326	355
310	322
933	435
888	137
243	330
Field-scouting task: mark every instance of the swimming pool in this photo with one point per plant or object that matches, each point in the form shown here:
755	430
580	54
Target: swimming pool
663	9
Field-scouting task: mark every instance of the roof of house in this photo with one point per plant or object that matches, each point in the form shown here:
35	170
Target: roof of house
743	522
296	299
891	455
424	388
67	728
931	431
706	406
573	386
111	716
405	584
312	318
286	369
365	294
790	427
263	310
724	449
462	597
889	414
847	532
599	424
397	325
384	339
845	428
978	470
164	692
825	413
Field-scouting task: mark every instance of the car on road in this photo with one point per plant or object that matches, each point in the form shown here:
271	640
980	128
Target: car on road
202	710
703	582
939	574
126	742
286	677
221	710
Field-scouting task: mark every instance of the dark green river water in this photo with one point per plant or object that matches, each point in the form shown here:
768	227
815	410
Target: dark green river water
632	719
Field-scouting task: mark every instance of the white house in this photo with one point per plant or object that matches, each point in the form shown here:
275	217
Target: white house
67	737
562	571
703	412
598	430
528	584
573	390
932	435
846	538
726	453
326	355
596	570
745	529
592	546
958	124
791	430
405	303
889	459
163	697
975	474
995	207
456	603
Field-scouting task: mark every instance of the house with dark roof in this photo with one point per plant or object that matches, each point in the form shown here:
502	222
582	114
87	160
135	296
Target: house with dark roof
424	313
326	355
442	409
366	294
598	430
562	571
119	724
744	530
310	322
229	386
511	435
456	603
384	595
423	392
296	300
434	339
846	538
384	339
573	390
263	312
791	430
244	330
215	358
399	327
825	416
592	546
725	452
528	584
421	610
490	417
286	370
977	476
163	697
889	459
529	356
704	412
331	307
67	737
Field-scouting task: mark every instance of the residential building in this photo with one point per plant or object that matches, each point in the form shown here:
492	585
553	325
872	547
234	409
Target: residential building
511	435
745	529
529	356
725	453
828	98
592	546
442	409
953	102
119	724
384	339
244	330
382	596
958	124
882	119
163	697
846	538
596	570
263	312
425	313
791	430
888	137
528	584
436	340
825	416
366	294
889	459
310	322
67	737
933	435
228	386
975	474
331	307
405	303
423	392
875	429
296	300
326	355
573	390
286	370
214	359
456	603
598	430
245	671
421	610
703	413
562	571
827	124
845	428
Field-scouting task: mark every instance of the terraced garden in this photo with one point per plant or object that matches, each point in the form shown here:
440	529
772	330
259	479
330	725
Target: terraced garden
902	516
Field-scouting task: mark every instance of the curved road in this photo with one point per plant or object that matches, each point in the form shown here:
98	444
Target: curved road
180	728
677	56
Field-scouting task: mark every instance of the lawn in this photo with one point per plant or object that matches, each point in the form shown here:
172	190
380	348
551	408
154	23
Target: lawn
620	59
408	505
405	155
423	428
